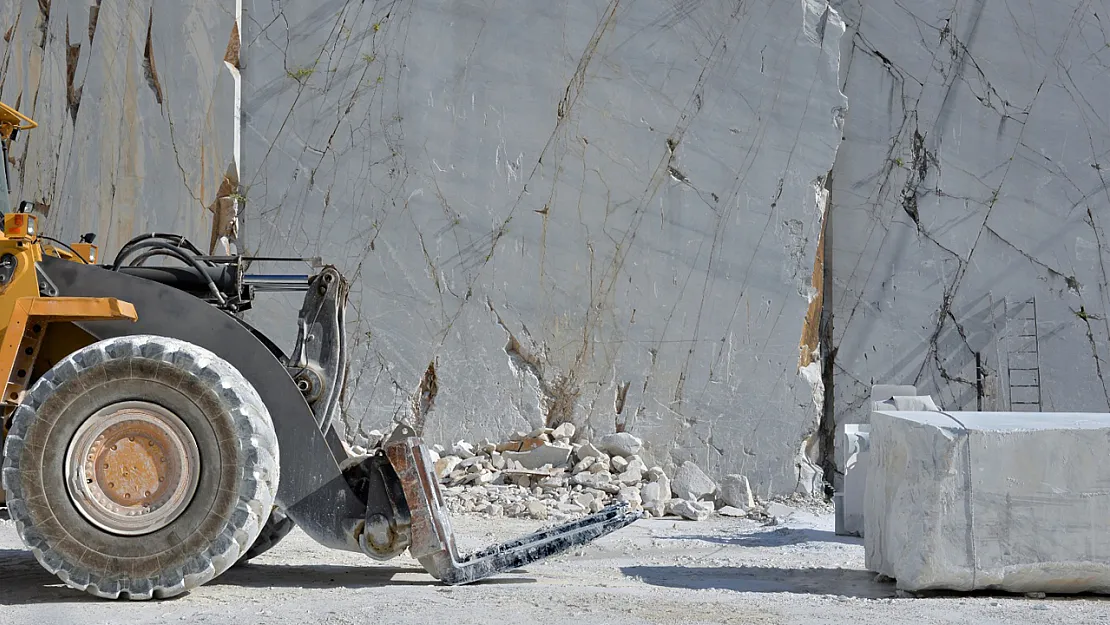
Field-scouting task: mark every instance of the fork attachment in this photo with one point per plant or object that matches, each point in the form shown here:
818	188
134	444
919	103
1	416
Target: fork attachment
433	541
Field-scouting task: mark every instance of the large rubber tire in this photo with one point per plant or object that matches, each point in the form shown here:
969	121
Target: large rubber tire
277	527
236	478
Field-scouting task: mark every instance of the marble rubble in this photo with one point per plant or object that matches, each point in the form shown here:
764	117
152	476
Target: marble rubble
523	477
964	501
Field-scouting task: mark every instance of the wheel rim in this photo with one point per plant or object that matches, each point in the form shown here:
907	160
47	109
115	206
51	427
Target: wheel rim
132	468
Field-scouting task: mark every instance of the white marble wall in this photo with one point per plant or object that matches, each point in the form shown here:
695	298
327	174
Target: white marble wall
609	212
973	179
136	113
556	201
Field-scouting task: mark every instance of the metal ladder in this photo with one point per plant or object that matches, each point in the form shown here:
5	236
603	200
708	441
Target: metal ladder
1023	365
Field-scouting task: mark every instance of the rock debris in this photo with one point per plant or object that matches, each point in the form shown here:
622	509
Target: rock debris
548	475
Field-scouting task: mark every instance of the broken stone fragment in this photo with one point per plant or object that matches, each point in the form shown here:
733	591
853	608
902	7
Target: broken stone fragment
636	464
494	510
630	478
554	454
486	447
463	450
732	511
587	450
631	495
564	432
571	508
497	461
446	465
473	461
652	496
541	432
537	510
583	499
691	483
735	491
583	464
664	486
693	510
621	444
611	488
553	482
599	467
619	464
456	477
591	480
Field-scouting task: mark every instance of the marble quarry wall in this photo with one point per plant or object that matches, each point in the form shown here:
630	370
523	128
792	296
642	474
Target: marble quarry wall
967	247
712	224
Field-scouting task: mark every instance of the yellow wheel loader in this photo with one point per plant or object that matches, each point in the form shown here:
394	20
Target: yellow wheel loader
152	438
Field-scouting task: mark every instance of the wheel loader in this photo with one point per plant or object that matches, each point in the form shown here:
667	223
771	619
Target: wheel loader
153	438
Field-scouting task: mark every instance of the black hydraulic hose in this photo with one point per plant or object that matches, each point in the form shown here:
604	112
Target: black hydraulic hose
142	258
176	252
178	239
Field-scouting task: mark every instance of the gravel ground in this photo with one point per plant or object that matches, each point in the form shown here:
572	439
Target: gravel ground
655	571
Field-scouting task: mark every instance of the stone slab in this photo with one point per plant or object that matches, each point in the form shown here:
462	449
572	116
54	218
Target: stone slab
1018	502
850	501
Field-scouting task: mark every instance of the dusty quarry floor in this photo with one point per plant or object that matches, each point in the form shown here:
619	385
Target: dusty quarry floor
656	571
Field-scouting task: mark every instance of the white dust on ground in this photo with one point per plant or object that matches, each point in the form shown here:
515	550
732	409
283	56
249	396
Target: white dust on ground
655	571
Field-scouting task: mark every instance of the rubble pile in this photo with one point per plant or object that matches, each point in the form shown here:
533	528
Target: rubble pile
544	475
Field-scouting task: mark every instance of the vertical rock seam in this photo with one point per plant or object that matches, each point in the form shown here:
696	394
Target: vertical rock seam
148	60
816	461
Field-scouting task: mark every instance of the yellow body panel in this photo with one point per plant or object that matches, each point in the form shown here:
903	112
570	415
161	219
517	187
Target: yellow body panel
37	331
27	327
14	119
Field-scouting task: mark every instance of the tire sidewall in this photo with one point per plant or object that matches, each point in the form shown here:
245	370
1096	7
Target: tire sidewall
201	542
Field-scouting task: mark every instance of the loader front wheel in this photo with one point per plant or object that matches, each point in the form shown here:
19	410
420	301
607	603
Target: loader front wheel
140	467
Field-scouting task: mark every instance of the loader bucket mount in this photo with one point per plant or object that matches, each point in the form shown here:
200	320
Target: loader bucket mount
433	540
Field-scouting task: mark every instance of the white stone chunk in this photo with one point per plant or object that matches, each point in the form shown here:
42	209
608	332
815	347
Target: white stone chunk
693	510
1018	502
587	450
564	432
736	492
554	454
463	450
621	444
690	482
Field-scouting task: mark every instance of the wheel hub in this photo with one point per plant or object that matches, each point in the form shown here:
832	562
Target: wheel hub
132	468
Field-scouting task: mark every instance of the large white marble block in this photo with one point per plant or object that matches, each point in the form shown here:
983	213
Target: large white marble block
964	501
